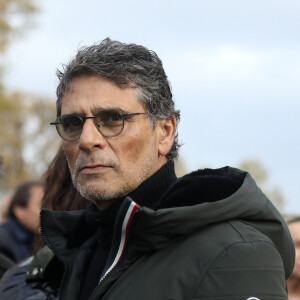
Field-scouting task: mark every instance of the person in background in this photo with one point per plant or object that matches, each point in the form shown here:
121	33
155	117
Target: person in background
293	283
17	234
30	280
59	192
5	262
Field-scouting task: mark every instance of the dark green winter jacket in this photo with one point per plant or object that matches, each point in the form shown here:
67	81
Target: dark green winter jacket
203	247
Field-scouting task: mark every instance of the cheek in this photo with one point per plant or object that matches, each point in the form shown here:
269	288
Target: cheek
135	148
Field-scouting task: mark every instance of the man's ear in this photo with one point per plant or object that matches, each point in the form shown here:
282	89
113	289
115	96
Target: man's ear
167	130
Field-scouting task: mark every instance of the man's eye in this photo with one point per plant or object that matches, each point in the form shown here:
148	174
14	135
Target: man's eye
71	121
114	117
110	116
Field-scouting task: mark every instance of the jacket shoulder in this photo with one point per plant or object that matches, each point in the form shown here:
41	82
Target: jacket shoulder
246	264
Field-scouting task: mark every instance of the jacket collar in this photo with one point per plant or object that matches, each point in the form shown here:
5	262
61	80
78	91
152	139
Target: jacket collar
152	229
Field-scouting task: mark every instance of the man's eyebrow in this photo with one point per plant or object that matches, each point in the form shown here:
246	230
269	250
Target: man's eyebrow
98	109
81	114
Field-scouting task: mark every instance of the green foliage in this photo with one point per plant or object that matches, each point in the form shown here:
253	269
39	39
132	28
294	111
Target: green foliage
10	138
27	141
15	111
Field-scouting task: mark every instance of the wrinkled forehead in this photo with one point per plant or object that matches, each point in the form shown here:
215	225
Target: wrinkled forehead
124	84
88	94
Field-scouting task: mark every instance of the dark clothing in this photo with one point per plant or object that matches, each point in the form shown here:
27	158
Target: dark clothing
100	243
15	240
95	253
210	235
5	264
92	258
14	285
15	244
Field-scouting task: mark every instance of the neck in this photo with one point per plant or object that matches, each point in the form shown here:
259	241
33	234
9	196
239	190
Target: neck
150	191
102	205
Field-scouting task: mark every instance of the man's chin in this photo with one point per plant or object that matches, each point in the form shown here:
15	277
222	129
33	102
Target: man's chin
94	194
90	176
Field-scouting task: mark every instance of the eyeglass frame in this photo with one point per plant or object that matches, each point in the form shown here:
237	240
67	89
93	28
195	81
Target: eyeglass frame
83	119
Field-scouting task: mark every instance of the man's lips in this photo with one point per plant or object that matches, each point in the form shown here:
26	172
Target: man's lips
93	169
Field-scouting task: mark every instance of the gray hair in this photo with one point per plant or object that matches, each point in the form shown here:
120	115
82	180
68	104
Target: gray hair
127	65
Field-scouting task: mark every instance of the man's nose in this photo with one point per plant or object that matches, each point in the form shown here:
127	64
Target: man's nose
90	136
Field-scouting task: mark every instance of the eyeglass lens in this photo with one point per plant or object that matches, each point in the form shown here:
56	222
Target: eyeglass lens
108	122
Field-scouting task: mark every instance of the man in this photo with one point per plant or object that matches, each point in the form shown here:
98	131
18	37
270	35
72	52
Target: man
147	235
17	234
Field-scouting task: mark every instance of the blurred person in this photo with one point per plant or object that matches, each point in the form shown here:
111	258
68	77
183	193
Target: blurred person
5	262
293	283
17	234
146	234
32	279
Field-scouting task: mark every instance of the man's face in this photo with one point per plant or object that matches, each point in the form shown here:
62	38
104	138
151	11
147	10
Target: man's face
105	168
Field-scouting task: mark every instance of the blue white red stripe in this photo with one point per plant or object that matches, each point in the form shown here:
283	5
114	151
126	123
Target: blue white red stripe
133	207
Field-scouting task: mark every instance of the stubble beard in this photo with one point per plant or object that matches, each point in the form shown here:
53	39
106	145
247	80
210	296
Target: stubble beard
93	194
116	188
90	191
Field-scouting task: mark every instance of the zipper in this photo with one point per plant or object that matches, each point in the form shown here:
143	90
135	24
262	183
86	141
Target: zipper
63	278
113	262
123	222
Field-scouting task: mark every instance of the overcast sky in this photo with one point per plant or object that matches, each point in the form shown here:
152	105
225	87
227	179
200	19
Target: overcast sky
234	67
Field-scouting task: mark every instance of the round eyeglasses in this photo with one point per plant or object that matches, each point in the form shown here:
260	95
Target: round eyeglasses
108	122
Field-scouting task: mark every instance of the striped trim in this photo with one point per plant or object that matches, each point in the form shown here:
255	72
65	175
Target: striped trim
133	207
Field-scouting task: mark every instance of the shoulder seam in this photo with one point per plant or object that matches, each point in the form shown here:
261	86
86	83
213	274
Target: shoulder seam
221	253
236	230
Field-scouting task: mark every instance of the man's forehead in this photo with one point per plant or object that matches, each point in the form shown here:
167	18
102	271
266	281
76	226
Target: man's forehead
96	77
94	108
94	93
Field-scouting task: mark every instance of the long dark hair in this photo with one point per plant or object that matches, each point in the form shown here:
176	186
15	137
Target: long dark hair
59	192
